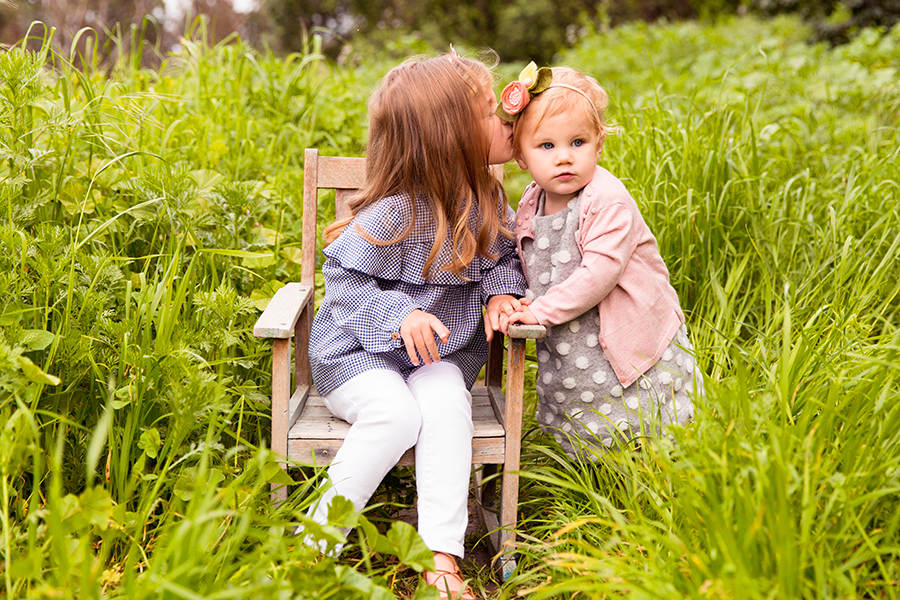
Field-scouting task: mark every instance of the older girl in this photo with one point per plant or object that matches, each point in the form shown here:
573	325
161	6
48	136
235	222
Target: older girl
400	338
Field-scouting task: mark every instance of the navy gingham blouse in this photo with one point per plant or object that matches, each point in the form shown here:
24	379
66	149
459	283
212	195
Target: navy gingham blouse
370	289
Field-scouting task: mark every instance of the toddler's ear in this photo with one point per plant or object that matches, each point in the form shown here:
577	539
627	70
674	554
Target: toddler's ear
521	162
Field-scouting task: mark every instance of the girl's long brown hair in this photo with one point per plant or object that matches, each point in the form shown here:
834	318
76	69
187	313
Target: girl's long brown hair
427	139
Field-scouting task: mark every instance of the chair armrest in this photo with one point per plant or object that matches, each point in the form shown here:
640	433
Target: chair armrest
520	331
280	316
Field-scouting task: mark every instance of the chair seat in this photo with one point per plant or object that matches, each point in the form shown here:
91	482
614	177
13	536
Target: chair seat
317	434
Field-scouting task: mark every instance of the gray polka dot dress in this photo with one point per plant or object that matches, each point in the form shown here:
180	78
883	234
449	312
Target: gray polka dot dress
579	395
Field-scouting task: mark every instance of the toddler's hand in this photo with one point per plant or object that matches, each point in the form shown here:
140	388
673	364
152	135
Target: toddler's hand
417	331
498	309
523	316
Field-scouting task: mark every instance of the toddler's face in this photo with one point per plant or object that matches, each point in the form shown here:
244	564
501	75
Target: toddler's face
561	154
499	131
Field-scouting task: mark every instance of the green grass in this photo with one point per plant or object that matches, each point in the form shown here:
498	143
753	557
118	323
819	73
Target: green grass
147	215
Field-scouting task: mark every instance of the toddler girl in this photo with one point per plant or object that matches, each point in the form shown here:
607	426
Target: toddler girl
399	338
616	361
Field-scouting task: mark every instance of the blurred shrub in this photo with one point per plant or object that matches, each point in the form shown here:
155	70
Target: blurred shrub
837	22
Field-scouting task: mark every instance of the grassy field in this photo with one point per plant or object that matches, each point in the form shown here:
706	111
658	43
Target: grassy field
147	215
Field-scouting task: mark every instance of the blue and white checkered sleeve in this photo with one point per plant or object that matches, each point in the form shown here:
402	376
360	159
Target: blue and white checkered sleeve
505	274
359	306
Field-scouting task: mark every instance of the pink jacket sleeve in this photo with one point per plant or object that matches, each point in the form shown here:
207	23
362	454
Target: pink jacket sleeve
608	245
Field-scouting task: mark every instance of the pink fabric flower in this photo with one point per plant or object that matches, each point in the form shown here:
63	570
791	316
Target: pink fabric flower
514	97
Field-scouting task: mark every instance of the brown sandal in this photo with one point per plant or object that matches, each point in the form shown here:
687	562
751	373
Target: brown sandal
447	578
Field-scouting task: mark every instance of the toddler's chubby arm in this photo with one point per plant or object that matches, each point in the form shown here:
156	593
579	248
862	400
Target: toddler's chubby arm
417	331
499	309
522	316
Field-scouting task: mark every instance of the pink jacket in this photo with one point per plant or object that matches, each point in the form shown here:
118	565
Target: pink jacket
621	273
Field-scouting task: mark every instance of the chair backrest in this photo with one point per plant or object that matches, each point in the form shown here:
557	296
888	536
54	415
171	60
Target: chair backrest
343	174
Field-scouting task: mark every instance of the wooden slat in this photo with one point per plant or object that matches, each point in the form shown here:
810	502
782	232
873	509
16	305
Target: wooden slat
317	423
498	403
281	383
302	331
341	172
282	312
493	368
310	214
531	332
321	452
296	405
341	203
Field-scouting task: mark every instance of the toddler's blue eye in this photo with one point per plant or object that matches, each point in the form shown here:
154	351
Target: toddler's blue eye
578	143
547	146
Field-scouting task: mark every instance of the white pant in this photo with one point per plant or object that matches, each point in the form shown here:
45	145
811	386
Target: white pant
432	411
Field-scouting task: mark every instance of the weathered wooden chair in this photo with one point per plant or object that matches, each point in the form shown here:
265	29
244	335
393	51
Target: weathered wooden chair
304	431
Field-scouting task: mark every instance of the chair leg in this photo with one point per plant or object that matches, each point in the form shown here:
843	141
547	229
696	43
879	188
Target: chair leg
281	393
279	493
509	494
508	519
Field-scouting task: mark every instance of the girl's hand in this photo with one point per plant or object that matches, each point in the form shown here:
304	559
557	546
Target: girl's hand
498	309
523	316
417	331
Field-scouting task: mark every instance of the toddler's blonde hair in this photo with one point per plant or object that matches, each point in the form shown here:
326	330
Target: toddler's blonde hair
590	98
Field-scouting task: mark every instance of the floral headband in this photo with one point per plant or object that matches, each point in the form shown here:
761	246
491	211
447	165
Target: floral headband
532	81
517	94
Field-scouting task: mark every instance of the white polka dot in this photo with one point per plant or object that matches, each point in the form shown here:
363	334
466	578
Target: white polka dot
558	364
563	256
554	275
574	326
593	427
553	408
679	383
544	278
689	364
679	360
548	418
529	294
531	259
665	378
543	356
587	396
560	397
599	377
606	408
573	202
563	349
539	389
543	243
592	340
623	424
582	362
547	378
607	441
632	402
567	427
667	355
569	383
615	392
597	320
558	223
